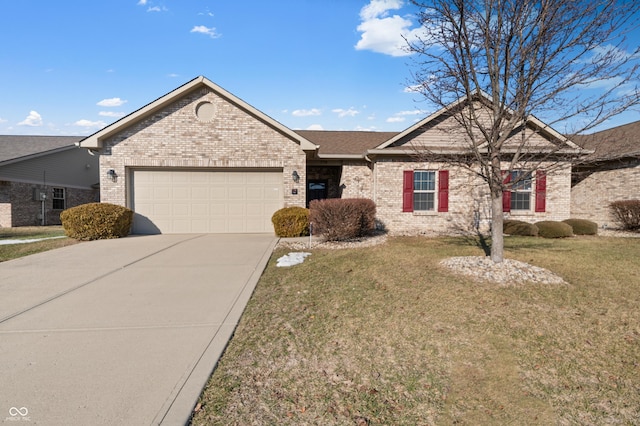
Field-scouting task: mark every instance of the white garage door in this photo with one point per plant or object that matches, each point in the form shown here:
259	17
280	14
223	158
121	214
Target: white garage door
190	201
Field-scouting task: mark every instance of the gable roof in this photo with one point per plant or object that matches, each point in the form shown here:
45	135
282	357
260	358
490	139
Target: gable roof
345	144
531	121
618	142
95	140
14	148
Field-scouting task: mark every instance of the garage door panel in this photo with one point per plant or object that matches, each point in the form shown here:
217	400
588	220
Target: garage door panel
188	201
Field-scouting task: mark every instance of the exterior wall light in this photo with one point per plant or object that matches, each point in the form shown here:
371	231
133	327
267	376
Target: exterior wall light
112	174
295	176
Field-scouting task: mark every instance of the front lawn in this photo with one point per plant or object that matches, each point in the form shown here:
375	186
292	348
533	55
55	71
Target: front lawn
384	335
14	251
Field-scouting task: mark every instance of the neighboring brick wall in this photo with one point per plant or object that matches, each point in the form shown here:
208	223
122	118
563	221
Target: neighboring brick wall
590	198
469	202
18	208
175	137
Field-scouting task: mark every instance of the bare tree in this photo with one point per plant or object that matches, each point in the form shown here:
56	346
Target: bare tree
564	60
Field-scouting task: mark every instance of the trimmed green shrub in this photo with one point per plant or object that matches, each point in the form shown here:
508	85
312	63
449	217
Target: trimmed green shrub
339	219
626	214
97	221
291	222
553	229
582	226
518	227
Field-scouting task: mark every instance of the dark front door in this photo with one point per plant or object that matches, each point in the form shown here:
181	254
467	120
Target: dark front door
316	190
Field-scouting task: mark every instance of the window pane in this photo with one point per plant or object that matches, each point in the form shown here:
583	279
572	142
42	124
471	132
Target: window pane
522	180
58	199
424	181
423	201
520	200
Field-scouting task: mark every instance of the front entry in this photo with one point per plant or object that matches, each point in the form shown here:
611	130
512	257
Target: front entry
316	190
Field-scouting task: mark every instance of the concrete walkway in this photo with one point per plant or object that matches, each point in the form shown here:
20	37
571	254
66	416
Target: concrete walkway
121	331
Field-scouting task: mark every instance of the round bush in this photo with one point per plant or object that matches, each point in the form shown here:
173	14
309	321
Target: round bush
97	221
518	227
553	229
291	222
582	226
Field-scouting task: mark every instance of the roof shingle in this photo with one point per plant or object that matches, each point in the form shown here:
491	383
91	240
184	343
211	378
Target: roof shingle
13	147
618	142
345	142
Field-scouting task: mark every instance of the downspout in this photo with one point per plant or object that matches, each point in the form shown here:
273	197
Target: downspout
375	178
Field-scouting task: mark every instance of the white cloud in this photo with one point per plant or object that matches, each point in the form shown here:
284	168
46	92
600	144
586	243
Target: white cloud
112	114
306	112
382	33
379	8
315	127
33	119
157	9
413	89
2	120
142	2
346	112
88	123
410	112
111	102
211	32
395	119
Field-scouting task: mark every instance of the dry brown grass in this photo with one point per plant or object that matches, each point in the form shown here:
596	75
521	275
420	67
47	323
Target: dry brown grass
383	335
14	251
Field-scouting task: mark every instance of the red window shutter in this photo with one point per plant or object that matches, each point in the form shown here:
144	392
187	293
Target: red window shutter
506	195
443	191
407	191
541	191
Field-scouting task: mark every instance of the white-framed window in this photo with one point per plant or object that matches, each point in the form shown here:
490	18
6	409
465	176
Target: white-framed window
424	190
521	190
58	198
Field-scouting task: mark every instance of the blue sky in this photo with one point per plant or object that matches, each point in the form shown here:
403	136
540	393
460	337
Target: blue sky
71	67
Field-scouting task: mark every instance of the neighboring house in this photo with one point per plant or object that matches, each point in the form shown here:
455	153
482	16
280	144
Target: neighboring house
611	173
201	160
42	175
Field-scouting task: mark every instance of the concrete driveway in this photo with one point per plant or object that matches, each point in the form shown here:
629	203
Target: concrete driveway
121	331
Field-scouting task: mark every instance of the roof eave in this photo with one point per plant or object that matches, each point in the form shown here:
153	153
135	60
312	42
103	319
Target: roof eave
341	156
36	155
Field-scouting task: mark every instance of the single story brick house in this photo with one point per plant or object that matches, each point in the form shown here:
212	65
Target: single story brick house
199	159
42	175
610	173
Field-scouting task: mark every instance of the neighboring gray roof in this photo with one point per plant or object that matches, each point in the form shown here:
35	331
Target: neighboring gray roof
15	148
618	142
336	143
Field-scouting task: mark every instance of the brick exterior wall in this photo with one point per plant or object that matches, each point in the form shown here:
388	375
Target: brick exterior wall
590	198
175	137
469	202
17	207
357	180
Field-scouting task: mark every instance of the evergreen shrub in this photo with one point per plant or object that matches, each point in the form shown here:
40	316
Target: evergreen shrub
291	222
553	229
96	221
582	226
518	227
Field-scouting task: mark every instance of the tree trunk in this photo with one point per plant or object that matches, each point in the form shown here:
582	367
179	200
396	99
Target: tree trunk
497	218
